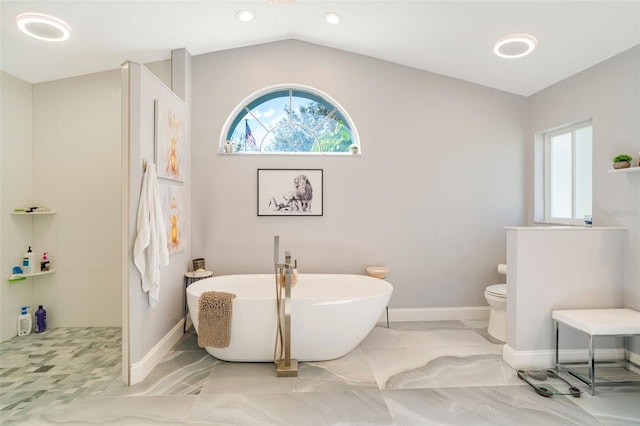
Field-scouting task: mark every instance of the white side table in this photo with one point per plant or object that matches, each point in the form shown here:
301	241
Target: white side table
190	278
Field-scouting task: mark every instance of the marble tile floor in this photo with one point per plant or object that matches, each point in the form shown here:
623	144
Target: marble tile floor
420	373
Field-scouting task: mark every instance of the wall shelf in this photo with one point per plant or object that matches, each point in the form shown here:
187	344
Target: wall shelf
22	213
627	170
16	277
35	274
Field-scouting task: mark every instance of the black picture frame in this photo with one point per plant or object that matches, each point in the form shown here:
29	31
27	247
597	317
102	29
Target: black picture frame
290	192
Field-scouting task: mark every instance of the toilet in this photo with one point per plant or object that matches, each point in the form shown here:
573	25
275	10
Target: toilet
496	296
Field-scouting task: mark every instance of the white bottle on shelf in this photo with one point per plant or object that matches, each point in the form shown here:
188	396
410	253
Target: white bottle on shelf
28	261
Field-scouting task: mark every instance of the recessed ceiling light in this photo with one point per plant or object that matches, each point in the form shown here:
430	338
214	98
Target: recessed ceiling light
43	27
515	46
245	15
332	18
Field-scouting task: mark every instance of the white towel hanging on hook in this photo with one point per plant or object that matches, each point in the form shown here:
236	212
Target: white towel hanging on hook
150	252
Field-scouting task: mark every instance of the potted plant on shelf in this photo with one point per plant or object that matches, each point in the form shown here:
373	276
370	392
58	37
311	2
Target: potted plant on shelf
353	148
622	161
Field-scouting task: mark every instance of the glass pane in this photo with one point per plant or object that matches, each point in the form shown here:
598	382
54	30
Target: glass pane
334	136
560	196
308	112
583	147
273	111
289	138
267	97
248	133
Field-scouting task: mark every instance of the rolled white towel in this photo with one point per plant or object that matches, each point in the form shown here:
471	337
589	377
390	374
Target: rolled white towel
502	269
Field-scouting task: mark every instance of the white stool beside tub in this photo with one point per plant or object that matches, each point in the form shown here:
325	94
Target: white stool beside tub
381	273
190	278
598	322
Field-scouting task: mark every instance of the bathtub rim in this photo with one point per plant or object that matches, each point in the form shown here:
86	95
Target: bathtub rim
385	286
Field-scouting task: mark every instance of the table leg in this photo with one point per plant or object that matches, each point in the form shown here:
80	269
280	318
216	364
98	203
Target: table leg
592	366
186	308
557	326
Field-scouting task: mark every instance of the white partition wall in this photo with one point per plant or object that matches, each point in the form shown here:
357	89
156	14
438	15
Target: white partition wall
557	268
150	331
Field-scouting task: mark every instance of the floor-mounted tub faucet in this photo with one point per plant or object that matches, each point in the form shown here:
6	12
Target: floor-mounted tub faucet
287	367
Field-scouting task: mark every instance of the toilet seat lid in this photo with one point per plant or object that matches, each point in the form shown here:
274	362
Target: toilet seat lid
498	290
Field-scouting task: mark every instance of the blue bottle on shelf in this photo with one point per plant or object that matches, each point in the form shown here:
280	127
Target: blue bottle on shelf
41	319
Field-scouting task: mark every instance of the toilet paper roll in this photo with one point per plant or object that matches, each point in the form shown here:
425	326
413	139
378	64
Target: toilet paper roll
502	269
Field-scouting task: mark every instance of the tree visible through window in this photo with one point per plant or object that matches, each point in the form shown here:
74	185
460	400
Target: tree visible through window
290	120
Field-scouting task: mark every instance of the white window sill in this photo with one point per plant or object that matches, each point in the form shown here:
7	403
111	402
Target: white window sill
338	154
561	223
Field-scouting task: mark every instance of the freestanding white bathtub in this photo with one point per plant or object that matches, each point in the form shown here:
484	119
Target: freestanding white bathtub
330	314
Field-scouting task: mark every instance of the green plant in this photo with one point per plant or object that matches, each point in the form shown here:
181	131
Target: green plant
622	157
354	146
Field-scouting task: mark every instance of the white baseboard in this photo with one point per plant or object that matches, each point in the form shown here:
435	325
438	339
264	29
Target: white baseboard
541	359
141	369
529	359
436	314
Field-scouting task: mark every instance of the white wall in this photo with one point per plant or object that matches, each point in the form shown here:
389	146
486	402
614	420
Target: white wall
441	174
61	144
558	268
610	94
76	170
15	191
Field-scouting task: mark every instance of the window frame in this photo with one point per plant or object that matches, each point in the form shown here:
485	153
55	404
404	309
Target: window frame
547	136
251	101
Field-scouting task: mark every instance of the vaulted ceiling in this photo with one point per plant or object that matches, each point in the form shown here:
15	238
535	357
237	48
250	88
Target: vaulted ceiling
453	38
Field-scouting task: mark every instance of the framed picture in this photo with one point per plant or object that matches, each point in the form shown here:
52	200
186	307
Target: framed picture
174	212
170	143
290	192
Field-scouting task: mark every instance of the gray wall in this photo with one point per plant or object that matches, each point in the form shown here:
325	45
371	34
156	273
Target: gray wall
441	173
149	325
610	94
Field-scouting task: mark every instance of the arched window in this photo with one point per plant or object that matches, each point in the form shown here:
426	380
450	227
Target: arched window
289	119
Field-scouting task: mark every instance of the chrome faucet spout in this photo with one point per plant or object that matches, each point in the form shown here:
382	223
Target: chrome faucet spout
288	264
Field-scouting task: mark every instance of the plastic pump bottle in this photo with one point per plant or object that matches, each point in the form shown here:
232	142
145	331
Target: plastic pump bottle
44	265
41	319
28	261
24	322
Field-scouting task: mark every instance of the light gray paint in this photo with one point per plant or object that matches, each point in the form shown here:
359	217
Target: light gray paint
610	94
441	173
149	325
559	268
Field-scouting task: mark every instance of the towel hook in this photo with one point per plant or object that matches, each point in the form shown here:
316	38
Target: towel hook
144	165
